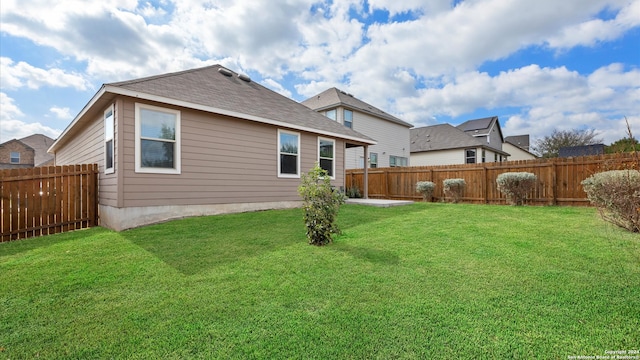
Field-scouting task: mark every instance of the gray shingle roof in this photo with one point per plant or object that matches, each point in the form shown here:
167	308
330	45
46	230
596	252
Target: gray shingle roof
40	143
209	87
441	137
521	141
481	125
334	97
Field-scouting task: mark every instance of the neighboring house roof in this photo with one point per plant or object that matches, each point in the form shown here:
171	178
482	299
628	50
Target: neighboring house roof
583	150
444	137
480	127
217	90
521	141
334	97
40	143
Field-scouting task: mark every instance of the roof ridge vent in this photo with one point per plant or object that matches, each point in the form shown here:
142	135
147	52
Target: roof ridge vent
244	77
225	72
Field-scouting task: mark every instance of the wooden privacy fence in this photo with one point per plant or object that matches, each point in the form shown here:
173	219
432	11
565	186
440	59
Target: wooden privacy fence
47	200
558	179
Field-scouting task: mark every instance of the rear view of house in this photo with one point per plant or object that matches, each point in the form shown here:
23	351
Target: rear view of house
391	133
199	142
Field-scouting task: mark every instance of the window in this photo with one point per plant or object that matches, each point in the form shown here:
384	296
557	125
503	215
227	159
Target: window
470	156
348	118
109	129
157	140
326	154
484	155
15	157
331	114
397	161
288	154
373	160
495	157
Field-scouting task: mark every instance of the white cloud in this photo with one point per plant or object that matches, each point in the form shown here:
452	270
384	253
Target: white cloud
16	75
12	128
63	113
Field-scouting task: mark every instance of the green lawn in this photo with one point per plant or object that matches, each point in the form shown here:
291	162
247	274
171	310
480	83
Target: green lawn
420	281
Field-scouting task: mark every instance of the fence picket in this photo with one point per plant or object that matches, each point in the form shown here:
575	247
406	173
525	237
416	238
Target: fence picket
47	200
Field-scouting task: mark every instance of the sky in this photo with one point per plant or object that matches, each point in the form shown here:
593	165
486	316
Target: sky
539	65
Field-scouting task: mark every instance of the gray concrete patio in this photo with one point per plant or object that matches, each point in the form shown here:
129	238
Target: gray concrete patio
379	202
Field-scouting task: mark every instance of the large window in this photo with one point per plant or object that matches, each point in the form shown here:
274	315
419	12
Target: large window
109	130
348	118
397	161
157	140
288	154
331	114
326	155
470	156
15	157
373	160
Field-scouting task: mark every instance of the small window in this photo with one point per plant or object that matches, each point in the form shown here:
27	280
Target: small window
397	161
15	157
326	155
157	147
288	154
331	114
470	156
348	118
373	160
109	130
495	157
484	156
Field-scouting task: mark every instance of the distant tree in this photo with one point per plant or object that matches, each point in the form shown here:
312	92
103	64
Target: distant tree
625	144
549	146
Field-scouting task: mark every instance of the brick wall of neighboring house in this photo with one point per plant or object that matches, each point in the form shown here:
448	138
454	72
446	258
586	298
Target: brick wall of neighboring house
27	155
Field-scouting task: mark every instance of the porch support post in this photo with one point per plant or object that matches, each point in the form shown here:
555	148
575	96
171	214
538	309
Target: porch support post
366	172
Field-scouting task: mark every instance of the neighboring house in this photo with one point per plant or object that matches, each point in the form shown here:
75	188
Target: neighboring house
474	141
518	147
391	133
28	152
199	142
583	150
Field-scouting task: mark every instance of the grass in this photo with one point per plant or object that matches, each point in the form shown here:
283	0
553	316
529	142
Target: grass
419	281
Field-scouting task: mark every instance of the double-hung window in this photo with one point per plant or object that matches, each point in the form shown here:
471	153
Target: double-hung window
109	131
157	140
326	155
15	157
373	160
348	118
470	156
395	161
288	154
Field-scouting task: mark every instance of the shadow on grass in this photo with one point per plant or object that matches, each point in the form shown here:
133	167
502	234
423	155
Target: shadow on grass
352	215
199	244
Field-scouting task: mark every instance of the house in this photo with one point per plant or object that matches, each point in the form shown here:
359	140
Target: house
518	147
473	141
582	150
199	142
28	152
391	133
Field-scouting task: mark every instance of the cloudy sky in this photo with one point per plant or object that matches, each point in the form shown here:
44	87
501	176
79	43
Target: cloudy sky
539	65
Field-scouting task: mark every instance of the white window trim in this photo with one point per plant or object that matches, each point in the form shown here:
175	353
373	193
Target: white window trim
333	160
11	157
138	147
290	176
344	121
112	169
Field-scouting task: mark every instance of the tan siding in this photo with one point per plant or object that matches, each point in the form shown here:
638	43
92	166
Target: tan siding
224	160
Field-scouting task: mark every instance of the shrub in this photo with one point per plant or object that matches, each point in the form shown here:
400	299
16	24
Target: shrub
426	189
454	188
616	195
320	205
353	192
516	185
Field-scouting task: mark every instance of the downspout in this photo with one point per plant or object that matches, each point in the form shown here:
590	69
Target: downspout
366	172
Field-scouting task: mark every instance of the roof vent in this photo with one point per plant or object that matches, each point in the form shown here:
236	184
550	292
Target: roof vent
225	72
244	77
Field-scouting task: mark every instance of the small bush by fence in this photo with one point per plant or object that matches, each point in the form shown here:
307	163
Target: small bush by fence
47	200
558	180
